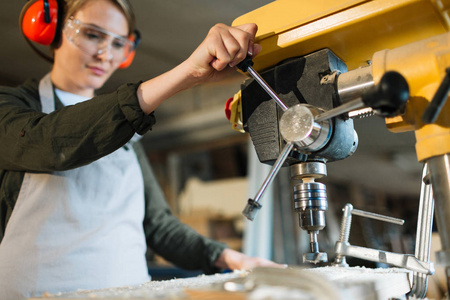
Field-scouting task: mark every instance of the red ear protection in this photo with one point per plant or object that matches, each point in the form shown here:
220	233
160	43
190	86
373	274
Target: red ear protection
136	38
39	21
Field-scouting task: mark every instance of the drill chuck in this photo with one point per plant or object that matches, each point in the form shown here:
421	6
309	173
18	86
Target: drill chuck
310	200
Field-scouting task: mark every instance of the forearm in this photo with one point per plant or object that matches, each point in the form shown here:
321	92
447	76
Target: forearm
222	49
184	247
153	92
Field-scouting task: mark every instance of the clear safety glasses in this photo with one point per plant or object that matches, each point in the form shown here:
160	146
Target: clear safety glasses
94	40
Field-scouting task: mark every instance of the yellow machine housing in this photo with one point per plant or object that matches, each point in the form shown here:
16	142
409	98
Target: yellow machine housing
423	65
353	29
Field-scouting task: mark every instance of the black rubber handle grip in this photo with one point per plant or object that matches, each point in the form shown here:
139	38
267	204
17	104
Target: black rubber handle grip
390	95
247	62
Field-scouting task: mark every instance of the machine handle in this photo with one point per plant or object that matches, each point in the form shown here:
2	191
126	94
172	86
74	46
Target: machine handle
253	205
247	66
434	108
389	96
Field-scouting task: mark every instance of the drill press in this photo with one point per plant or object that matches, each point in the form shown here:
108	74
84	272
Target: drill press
372	38
309	134
307	146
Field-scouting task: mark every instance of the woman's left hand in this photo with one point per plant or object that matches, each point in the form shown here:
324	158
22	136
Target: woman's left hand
234	260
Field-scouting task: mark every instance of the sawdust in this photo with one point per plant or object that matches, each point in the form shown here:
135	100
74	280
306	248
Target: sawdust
168	289
295	283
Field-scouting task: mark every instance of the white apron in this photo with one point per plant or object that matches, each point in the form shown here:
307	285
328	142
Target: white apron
76	229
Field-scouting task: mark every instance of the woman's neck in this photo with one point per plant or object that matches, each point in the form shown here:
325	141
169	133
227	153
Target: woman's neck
65	84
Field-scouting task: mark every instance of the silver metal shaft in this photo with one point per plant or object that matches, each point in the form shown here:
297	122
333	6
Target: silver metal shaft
314	244
439	167
266	87
341	109
344	236
423	235
353	84
274	171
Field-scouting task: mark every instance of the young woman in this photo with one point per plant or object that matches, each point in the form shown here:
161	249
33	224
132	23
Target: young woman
79	203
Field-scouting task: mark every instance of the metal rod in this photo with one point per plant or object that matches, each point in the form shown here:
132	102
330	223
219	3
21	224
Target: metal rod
346	223
344	108
377	217
439	169
344	236
266	87
423	234
274	171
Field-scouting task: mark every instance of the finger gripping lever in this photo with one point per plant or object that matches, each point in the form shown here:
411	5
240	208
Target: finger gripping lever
243	65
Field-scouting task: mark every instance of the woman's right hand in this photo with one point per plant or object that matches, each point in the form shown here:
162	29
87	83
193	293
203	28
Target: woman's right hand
216	57
222	49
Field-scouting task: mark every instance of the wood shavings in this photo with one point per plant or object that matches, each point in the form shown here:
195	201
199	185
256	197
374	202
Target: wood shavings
291	283
169	289
367	283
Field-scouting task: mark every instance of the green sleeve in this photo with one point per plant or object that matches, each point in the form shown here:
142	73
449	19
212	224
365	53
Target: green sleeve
69	137
166	235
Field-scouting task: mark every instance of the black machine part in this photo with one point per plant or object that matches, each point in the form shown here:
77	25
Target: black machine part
296	81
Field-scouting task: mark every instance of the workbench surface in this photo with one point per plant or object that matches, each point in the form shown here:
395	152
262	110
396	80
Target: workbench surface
266	283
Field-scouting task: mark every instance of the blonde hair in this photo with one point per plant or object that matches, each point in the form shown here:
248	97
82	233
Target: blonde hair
73	6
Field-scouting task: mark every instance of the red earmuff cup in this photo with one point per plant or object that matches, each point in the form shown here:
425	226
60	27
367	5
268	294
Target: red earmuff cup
127	62
34	26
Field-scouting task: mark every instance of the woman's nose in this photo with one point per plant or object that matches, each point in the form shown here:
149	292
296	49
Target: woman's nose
105	53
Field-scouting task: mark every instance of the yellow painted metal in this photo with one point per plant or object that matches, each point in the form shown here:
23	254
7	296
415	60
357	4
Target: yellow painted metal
353	30
423	65
236	113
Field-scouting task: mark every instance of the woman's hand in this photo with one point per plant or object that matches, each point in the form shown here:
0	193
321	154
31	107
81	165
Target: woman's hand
234	260
222	49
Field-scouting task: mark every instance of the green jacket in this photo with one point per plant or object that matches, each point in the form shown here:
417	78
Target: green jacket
73	136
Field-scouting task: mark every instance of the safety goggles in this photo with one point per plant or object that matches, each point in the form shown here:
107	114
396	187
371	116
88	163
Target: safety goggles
94	40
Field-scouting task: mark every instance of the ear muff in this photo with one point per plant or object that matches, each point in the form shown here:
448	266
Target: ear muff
39	21
136	39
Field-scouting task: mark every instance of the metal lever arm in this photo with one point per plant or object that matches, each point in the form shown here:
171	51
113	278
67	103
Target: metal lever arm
247	66
253	205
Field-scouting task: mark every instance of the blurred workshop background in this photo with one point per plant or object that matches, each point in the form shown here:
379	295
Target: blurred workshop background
203	165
